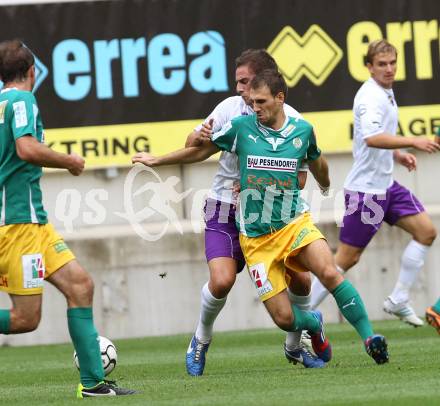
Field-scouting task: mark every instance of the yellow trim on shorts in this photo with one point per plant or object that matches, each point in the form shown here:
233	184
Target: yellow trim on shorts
30	253
268	256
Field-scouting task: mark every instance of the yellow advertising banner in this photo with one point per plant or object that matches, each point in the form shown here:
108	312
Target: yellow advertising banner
114	145
334	128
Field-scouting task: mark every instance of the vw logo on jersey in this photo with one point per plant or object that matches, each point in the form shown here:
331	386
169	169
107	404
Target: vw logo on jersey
297	143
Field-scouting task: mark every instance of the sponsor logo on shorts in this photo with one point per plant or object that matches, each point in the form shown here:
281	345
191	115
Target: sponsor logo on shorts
271	163
259	277
4	281
33	271
299	238
60	247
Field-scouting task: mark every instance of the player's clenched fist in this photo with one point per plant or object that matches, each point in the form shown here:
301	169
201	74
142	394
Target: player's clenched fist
76	164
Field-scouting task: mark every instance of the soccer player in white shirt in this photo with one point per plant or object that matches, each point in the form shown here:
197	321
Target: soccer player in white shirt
372	196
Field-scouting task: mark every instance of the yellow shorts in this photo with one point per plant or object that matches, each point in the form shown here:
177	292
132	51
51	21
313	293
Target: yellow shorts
29	253
268	256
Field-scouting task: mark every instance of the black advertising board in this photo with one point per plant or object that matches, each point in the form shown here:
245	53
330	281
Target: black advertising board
120	76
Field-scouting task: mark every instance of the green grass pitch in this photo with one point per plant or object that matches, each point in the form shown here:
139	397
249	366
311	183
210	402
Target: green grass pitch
243	368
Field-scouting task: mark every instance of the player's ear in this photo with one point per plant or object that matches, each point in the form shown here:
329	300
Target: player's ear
31	72
280	97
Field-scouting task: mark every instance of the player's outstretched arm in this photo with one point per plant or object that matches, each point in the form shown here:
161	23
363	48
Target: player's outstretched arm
388	141
182	156
29	149
319	170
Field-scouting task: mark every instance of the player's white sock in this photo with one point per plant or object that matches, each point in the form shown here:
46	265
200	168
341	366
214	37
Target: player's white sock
293	338
412	262
210	308
319	292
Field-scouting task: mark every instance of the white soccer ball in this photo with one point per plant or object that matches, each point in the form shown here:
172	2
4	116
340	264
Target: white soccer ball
109	355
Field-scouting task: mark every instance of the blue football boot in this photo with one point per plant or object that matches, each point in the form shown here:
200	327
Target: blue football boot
196	357
302	356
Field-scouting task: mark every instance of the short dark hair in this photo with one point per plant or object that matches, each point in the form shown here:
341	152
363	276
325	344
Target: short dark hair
271	78
378	47
257	60
15	60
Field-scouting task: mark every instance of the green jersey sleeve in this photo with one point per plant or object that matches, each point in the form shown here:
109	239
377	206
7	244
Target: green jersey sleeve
313	151
24	115
226	138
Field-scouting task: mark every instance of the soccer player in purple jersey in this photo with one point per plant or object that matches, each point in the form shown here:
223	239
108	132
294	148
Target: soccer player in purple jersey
372	196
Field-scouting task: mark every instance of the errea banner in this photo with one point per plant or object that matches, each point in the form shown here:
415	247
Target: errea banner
117	77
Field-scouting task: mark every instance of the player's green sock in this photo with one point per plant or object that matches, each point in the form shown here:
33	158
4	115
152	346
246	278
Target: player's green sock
304	320
352	307
85	340
436	307
5	321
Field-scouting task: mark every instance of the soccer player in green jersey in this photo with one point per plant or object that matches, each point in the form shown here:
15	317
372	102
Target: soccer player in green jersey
30	249
432	313
276	229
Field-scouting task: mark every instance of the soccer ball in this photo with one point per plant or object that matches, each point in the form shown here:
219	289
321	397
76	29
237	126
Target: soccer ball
109	355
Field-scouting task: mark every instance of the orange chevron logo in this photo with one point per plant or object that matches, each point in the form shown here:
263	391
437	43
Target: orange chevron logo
313	55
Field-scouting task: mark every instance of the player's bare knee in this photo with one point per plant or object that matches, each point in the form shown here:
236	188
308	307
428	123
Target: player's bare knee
31	324
353	260
220	286
300	283
283	318
81	289
329	276
426	236
85	285
25	321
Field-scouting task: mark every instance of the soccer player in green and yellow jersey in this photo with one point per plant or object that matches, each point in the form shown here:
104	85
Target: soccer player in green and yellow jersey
31	251
277	232
433	312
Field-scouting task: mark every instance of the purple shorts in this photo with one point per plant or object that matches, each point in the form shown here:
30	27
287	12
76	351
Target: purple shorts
221	234
365	213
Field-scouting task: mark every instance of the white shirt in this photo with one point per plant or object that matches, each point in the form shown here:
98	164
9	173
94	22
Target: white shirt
228	171
375	112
